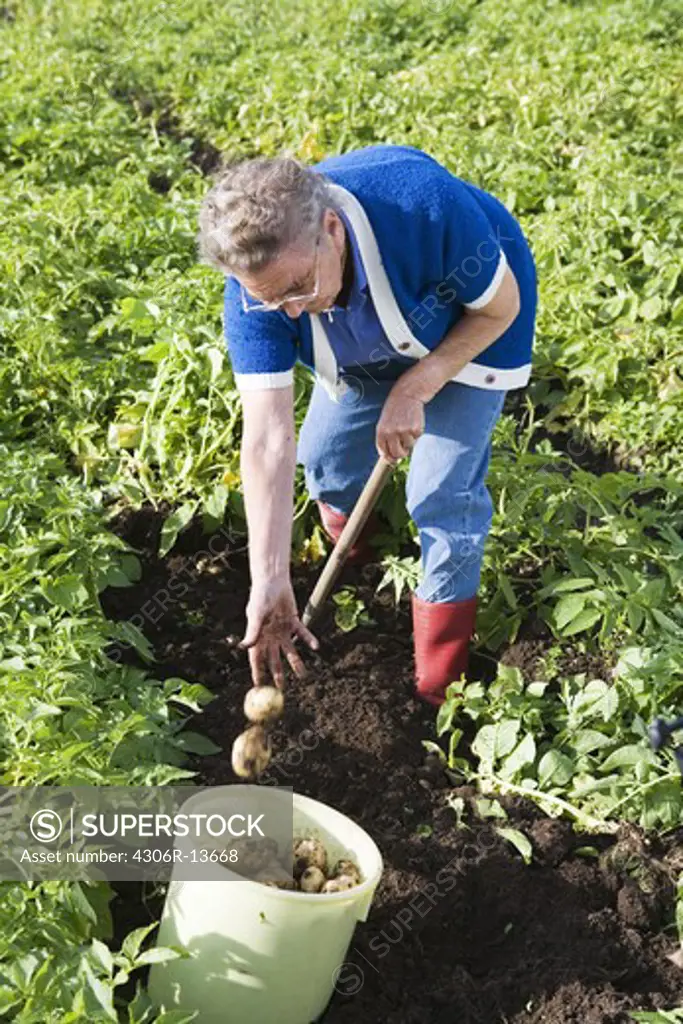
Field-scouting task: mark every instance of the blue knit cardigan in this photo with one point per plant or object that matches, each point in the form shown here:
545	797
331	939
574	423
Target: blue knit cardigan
432	246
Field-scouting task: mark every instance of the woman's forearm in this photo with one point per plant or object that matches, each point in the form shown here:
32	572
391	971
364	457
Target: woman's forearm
464	342
467	339
267	468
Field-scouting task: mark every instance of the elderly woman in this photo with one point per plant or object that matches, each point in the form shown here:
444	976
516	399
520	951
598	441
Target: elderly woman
411	295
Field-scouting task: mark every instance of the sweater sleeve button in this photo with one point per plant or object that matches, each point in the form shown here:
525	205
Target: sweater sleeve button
489	378
403	346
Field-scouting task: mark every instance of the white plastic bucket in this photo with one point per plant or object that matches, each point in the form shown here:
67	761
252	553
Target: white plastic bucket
261	955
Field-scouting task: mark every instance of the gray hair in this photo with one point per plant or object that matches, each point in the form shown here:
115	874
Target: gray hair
258	207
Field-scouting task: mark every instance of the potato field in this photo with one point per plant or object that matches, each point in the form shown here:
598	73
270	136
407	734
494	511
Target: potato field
532	828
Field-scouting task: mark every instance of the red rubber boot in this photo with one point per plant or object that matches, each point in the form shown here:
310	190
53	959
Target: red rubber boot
441	637
334	522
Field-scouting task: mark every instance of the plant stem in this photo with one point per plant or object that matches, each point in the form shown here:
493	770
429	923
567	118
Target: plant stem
645	786
589	822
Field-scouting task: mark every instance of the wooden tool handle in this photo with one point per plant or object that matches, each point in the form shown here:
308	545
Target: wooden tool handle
348	538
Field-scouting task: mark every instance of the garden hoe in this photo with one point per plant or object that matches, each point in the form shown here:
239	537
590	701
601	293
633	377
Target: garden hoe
348	538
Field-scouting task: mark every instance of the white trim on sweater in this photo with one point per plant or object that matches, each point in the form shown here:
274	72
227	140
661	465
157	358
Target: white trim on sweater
324	360
256	381
489	292
491	377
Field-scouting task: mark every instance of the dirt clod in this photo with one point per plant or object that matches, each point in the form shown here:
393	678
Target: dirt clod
638	909
552	840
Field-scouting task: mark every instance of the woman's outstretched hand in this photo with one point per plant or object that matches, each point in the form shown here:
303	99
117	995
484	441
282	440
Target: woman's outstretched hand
272	625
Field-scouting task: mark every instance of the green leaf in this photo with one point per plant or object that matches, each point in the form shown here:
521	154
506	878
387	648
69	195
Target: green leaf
509	678
636	615
667	622
15	664
458	806
582	583
489	808
651	308
434	748
102	991
9	997
523	754
156	955
444	717
519	841
129	633
214	505
662	806
453	744
649	253
555	769
568	608
216	359
495	741
608	705
584	620
131	565
588	740
66	591
82	903
195	743
507	591
130	946
192	695
103	955
176	522
626	757
506	736
155	353
658	1016
134	309
5	514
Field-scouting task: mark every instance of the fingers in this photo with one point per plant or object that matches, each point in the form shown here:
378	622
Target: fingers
265	648
268	656
295	660
257	664
306	636
395	446
275	665
252	633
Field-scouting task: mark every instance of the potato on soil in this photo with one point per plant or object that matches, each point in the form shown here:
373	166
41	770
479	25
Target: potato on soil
251	752
312	880
309	853
263	704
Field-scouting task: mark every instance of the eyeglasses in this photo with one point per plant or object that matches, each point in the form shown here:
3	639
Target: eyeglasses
249	305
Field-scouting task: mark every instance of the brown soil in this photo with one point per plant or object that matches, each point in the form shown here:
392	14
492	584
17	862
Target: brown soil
534	639
203	154
461	931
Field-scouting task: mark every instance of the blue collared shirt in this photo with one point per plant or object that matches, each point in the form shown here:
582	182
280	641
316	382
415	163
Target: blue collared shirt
355	332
